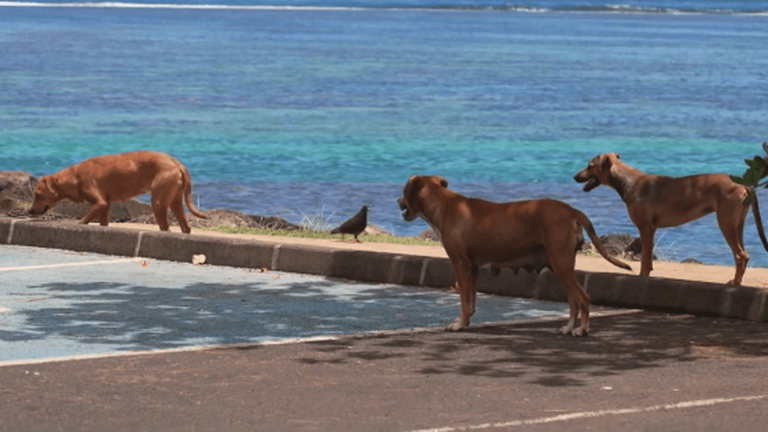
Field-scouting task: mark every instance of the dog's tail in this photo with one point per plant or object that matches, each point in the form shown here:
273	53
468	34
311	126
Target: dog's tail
188	193
758	221
585	223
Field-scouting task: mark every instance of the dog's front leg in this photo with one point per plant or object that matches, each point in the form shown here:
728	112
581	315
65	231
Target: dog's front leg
466	280
98	209
104	215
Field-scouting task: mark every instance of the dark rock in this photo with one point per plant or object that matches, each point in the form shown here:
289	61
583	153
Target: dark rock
429	234
636	247
230	218
16	179
6	205
273	222
620	245
122	211
616	244
375	229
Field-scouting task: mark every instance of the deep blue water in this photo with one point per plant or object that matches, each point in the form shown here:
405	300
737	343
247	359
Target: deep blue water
295	109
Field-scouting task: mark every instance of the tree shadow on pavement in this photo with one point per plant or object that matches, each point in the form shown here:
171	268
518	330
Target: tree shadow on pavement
618	344
125	316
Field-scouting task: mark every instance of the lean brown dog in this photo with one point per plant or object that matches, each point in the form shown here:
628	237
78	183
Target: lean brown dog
102	180
655	201
475	232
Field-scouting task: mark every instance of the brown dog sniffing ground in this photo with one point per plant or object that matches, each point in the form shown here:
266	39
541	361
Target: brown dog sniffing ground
655	201
475	232
102	180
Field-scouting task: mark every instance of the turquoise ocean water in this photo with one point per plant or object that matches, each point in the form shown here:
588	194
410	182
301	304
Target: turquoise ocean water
300	107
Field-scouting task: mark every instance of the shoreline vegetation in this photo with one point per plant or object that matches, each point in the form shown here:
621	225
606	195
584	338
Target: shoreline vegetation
17	192
373	234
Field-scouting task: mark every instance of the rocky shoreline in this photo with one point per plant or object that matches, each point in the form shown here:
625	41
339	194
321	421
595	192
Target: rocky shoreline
17	192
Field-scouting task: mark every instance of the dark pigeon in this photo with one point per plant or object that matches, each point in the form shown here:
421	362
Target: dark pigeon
355	226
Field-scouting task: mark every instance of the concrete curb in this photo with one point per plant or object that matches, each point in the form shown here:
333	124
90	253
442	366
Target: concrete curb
609	289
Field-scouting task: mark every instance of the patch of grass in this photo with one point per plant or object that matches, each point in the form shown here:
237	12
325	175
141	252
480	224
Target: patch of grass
318	221
663	251
366	238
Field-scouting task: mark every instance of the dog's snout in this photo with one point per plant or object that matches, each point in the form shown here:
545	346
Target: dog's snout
32	210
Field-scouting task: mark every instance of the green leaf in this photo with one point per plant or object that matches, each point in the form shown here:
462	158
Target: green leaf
749	177
739	180
758	164
748	200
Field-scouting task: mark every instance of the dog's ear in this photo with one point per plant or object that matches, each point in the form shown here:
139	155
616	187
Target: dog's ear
605	162
47	183
409	186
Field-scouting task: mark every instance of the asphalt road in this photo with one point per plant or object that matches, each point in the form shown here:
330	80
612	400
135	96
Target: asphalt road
637	371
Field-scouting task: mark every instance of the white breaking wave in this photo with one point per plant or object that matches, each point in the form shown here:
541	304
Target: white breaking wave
662	8
120	5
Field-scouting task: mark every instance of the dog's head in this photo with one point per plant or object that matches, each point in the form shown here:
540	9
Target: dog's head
597	171
411	202
46	195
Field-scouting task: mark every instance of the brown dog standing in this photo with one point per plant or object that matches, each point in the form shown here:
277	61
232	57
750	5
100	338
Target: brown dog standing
102	180
655	201
475	232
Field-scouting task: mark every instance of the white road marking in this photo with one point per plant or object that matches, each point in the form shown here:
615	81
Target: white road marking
72	264
190	348
600	413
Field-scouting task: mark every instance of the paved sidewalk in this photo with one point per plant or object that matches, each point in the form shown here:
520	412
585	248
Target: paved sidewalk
755	276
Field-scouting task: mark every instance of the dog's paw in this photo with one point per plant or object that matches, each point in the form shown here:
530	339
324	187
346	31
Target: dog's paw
566	330
579	332
456	325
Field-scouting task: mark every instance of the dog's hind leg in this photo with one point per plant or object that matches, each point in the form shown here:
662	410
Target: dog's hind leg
177	207
647	234
466	280
160	209
161	216
165	190
578	300
731	223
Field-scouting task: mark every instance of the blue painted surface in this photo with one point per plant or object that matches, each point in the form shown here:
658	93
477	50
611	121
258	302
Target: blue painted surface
129	305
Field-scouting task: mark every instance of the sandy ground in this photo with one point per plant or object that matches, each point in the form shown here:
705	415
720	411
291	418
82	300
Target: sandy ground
757	277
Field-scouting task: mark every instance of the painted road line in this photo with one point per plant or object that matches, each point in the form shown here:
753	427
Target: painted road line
600	413
71	264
